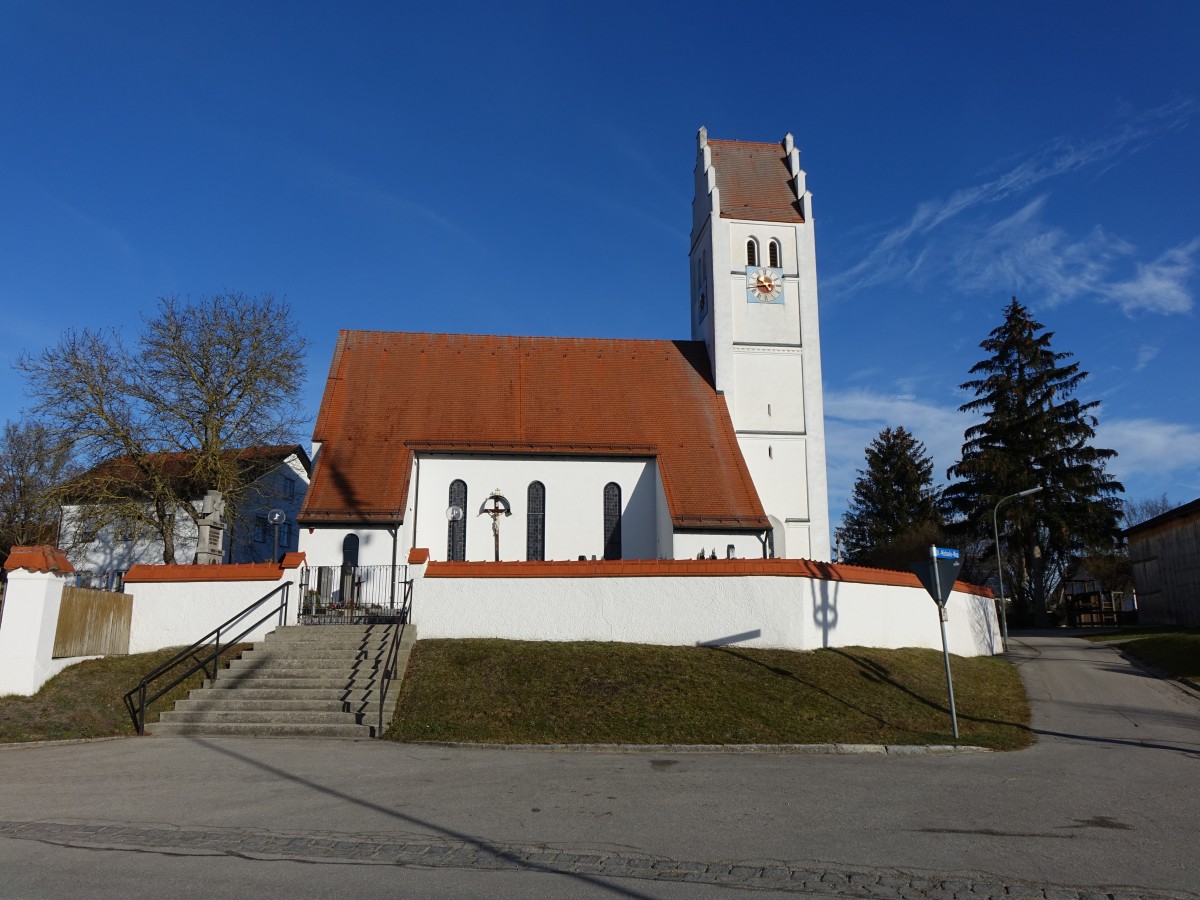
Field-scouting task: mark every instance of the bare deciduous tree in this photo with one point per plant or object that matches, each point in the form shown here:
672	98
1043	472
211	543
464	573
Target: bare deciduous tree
31	465
200	380
1137	511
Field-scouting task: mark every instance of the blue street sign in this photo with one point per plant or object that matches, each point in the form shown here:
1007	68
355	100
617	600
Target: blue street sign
945	553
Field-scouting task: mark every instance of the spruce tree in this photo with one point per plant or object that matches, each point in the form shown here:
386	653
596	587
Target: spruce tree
894	513
1034	432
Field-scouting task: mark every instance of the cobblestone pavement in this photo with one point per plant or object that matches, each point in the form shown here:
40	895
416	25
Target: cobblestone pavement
332	847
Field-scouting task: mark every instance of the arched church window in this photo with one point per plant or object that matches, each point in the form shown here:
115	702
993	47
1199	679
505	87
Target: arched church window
612	520
752	252
350	550
773	254
456	538
535	522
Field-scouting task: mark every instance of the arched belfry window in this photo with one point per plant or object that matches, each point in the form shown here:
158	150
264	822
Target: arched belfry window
752	252
612	520
456	539
774	255
535	522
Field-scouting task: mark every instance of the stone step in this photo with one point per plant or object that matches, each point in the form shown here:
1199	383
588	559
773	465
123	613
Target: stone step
357	695
327	632
291	682
344	663
320	635
234	703
271	729
274	717
318	648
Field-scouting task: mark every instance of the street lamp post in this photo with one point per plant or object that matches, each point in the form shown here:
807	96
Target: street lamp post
1000	561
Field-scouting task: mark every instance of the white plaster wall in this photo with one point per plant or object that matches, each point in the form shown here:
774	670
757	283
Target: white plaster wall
322	545
769	381
778	466
753	611
175	614
574	504
31	605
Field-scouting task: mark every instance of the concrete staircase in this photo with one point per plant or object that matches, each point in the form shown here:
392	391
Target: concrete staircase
303	680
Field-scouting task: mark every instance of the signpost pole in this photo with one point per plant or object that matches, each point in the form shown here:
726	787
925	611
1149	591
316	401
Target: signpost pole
937	581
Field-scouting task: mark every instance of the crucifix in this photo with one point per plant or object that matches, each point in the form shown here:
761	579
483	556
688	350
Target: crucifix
500	507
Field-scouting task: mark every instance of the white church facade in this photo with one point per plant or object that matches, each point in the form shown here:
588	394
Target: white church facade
573	448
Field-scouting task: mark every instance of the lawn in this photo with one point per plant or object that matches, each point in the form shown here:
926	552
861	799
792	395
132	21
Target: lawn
85	700
1174	650
507	692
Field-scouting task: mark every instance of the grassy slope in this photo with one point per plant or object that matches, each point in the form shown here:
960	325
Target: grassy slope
1175	651
513	692
84	700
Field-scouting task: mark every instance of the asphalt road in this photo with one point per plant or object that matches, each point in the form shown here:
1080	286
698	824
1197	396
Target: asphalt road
1105	803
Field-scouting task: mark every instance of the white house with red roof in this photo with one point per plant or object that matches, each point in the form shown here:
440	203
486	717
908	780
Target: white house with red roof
599	449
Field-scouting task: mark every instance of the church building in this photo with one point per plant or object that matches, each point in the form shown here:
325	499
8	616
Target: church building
486	447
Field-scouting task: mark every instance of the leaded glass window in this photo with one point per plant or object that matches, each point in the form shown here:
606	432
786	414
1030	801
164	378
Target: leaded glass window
535	522
612	520
456	540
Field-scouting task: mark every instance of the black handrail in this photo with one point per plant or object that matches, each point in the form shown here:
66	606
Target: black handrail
137	711
385	679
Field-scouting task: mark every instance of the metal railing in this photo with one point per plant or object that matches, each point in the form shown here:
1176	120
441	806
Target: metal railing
354	594
219	640
113	580
389	665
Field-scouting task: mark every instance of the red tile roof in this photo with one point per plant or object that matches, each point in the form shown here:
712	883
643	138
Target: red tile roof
392	393
755	182
40	558
264	571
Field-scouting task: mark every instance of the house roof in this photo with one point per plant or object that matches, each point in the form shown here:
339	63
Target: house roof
392	393
178	466
755	181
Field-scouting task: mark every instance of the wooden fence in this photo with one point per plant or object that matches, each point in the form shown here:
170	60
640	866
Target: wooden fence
93	623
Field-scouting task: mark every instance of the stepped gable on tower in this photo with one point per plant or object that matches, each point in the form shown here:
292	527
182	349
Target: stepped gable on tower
391	394
756	181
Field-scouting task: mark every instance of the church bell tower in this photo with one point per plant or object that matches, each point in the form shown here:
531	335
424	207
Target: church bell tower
754	304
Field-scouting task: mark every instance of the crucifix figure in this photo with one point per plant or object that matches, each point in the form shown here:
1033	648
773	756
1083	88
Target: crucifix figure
499	507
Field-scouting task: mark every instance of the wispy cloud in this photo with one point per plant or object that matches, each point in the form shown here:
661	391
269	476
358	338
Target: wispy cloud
896	253
1021	253
1145	355
1151	453
1160	286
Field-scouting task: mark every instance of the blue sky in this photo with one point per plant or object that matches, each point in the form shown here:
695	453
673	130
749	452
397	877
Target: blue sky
526	169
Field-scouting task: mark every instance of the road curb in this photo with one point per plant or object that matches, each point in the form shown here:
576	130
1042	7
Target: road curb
766	749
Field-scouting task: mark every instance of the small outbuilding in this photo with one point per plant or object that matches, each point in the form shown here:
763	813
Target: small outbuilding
1165	553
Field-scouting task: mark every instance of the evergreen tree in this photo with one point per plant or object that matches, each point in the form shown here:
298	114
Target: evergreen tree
894	513
1033	433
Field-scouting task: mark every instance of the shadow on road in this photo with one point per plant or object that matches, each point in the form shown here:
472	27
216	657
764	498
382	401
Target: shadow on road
479	844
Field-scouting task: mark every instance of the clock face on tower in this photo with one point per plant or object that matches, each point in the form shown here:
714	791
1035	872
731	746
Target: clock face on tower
764	285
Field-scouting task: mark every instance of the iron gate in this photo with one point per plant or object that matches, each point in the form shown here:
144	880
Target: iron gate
360	595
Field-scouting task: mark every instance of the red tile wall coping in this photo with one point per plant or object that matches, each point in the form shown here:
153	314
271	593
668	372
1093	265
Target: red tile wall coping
38	558
145	574
417	556
659	568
